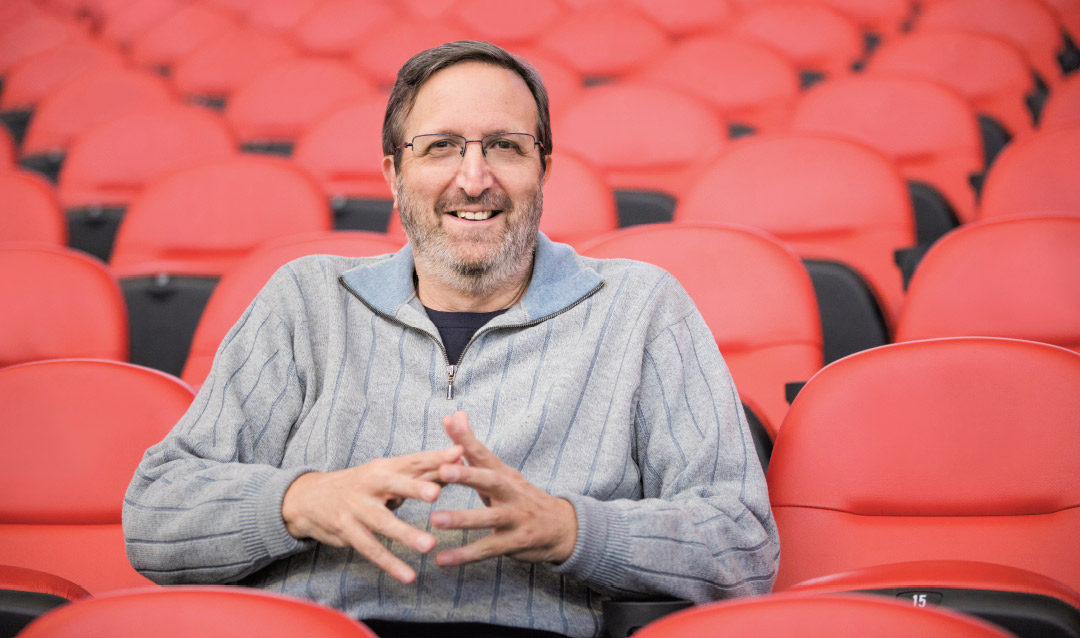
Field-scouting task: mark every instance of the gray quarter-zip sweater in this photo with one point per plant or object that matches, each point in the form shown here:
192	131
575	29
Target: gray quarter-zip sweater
602	385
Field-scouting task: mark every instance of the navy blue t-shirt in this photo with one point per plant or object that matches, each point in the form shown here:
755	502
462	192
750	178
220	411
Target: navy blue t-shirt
456	328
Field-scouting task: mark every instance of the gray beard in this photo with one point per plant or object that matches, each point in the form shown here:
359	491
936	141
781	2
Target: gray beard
501	267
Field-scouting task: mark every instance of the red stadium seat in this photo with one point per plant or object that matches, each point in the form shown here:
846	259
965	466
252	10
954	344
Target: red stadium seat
842	616
681	18
188	228
991	73
269	112
754	294
343	151
578	203
161	45
841	206
64	516
31	210
186	612
25	594
33	33
605	41
1068	12
1031	25
508	24
748	83
647	140
240	284
211	72
930	131
880	20
564	85
110	164
382	53
1022	602
31	79
75	106
1015	277
1036	174
58	303
820	40
335	27
1063	107
946	449
132	18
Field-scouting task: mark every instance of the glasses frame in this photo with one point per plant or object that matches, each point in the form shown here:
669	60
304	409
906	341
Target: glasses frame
465	146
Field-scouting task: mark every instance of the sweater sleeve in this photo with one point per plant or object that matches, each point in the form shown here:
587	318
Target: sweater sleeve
704	529
204	505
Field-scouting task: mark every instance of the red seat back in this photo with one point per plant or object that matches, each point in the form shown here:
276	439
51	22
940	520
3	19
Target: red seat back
384	52
166	41
840	616
681	18
32	33
915	451
208	612
754	294
605	40
1035	174
32	78
113	162
508	24
204	218
747	82
58	303
343	149
218	66
72	465
91	98
1063	107
641	136
240	284
827	198
930	131
1007	277
813	36
991	73
31	210
281	102
1032	26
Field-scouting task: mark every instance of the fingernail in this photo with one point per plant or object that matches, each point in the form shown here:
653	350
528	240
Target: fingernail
429	492
444	559
440	519
404	574
424	542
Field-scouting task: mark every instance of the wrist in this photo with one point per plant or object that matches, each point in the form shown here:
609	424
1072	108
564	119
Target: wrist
292	513
567	540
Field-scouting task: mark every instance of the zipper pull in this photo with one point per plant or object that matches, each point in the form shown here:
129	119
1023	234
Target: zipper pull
450	372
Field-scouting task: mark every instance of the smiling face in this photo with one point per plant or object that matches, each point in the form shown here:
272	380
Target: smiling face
472	222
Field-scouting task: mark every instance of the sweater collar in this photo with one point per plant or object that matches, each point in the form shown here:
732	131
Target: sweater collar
559	280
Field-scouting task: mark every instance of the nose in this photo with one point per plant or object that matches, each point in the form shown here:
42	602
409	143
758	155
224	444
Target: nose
474	175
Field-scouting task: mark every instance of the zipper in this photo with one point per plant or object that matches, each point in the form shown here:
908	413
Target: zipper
452	369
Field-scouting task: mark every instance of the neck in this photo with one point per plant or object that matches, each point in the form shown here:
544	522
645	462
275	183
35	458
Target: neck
444	296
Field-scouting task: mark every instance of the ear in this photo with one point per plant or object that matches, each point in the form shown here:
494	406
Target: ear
390	175
547	170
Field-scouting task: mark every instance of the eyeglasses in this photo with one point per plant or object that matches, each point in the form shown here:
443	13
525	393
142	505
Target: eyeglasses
502	150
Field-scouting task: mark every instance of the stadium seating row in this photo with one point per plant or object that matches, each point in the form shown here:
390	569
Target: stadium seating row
934	491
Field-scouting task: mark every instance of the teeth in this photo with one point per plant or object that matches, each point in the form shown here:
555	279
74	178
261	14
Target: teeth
477	216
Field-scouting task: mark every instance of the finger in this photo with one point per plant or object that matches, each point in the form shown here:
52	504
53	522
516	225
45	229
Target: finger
399	486
420	462
487	518
384	522
486	547
365	544
457	428
481	479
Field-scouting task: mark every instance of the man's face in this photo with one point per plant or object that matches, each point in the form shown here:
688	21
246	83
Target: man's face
477	255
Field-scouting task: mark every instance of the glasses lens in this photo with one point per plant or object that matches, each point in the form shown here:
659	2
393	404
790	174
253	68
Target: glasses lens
438	147
508	148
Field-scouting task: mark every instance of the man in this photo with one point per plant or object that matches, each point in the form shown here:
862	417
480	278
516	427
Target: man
483	430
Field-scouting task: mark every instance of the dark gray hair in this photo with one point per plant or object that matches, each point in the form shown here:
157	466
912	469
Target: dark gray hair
423	65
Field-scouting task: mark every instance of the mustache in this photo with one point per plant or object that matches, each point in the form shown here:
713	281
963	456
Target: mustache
486	200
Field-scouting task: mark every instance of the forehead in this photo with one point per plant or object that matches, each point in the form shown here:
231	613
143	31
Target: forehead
473	99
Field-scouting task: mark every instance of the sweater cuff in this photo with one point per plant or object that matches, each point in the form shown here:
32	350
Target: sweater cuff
262	528
602	550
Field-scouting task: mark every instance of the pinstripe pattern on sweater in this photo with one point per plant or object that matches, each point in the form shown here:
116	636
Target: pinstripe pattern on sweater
612	396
